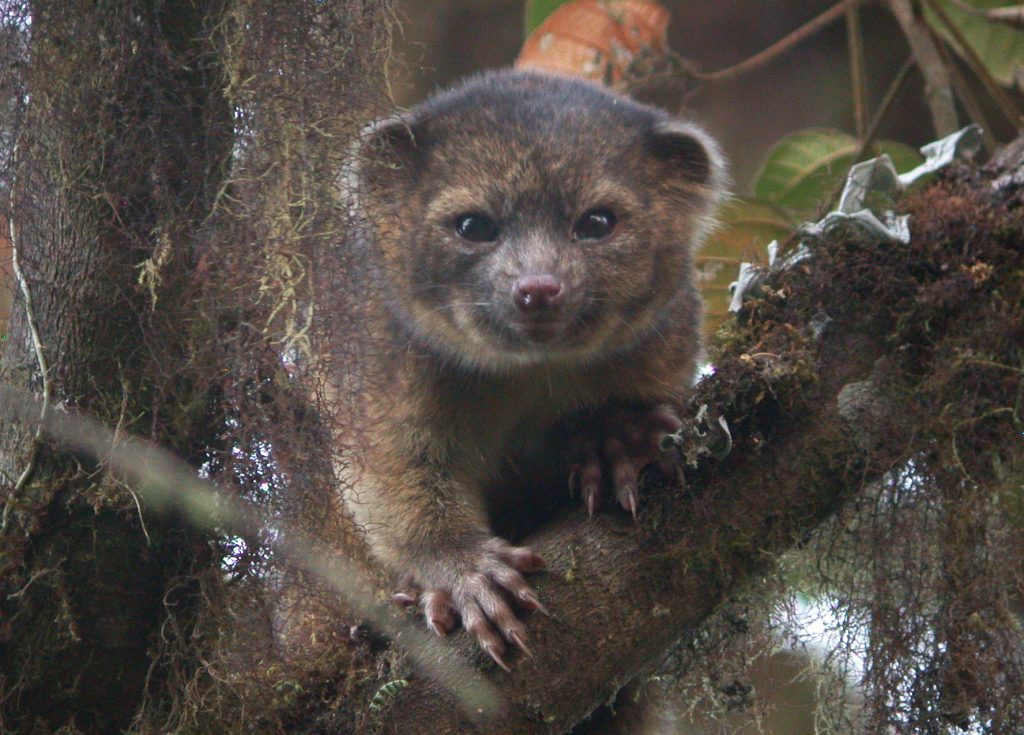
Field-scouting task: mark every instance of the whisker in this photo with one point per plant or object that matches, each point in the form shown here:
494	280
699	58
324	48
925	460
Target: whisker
454	304
426	287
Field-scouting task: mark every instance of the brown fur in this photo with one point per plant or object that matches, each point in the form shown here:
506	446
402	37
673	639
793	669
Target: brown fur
467	417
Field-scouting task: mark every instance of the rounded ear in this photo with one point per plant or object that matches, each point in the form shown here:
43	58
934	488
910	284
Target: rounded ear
689	151
386	148
395	134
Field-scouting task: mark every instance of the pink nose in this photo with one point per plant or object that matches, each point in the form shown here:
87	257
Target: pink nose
537	293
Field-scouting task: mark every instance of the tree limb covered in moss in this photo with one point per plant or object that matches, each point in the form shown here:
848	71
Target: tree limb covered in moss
817	386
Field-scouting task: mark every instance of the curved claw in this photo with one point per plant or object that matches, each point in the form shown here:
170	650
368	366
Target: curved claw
589	476
439	612
629	502
484	588
490	651
518	640
528	600
621	445
403	598
520	558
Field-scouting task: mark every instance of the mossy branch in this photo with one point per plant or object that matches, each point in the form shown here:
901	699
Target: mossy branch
813	420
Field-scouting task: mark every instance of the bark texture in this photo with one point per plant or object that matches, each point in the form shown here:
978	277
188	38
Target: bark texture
117	158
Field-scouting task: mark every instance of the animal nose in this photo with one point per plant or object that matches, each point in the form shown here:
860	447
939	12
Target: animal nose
537	293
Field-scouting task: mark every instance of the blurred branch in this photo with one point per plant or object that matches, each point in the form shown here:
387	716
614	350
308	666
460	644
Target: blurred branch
1002	99
778	48
883	108
968	8
1012	15
938	87
871	131
168	483
968	99
858	71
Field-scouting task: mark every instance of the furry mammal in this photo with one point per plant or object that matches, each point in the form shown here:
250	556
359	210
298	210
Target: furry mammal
529	245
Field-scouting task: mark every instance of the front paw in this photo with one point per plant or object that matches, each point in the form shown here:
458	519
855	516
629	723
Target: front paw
611	452
480	585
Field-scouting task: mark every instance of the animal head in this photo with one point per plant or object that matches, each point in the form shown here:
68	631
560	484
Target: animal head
523	218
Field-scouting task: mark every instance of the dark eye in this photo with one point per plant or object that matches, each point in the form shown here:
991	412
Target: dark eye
476	228
594	225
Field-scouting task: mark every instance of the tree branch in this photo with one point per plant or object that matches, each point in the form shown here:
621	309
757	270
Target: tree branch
813	419
1002	99
620	593
938	88
779	47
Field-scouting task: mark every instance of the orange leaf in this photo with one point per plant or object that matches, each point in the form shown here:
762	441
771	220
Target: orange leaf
595	39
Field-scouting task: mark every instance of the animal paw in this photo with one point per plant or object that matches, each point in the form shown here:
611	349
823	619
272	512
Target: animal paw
610	454
482	586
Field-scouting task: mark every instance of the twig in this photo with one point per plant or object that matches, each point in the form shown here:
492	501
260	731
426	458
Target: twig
118	429
31	581
872	129
858	73
938	89
968	8
884	106
993	364
779	47
1006	105
1013	16
976	419
37	346
967	98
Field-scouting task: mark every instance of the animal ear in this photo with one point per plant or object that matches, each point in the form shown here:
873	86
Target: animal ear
690	152
396	133
388	148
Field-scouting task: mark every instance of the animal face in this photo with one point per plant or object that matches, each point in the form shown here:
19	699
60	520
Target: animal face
526	218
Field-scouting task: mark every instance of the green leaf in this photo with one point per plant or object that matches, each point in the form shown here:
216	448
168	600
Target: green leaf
999	46
538	10
746	227
904	157
807	167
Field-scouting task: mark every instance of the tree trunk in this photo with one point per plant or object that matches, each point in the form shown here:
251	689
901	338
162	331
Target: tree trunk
119	151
